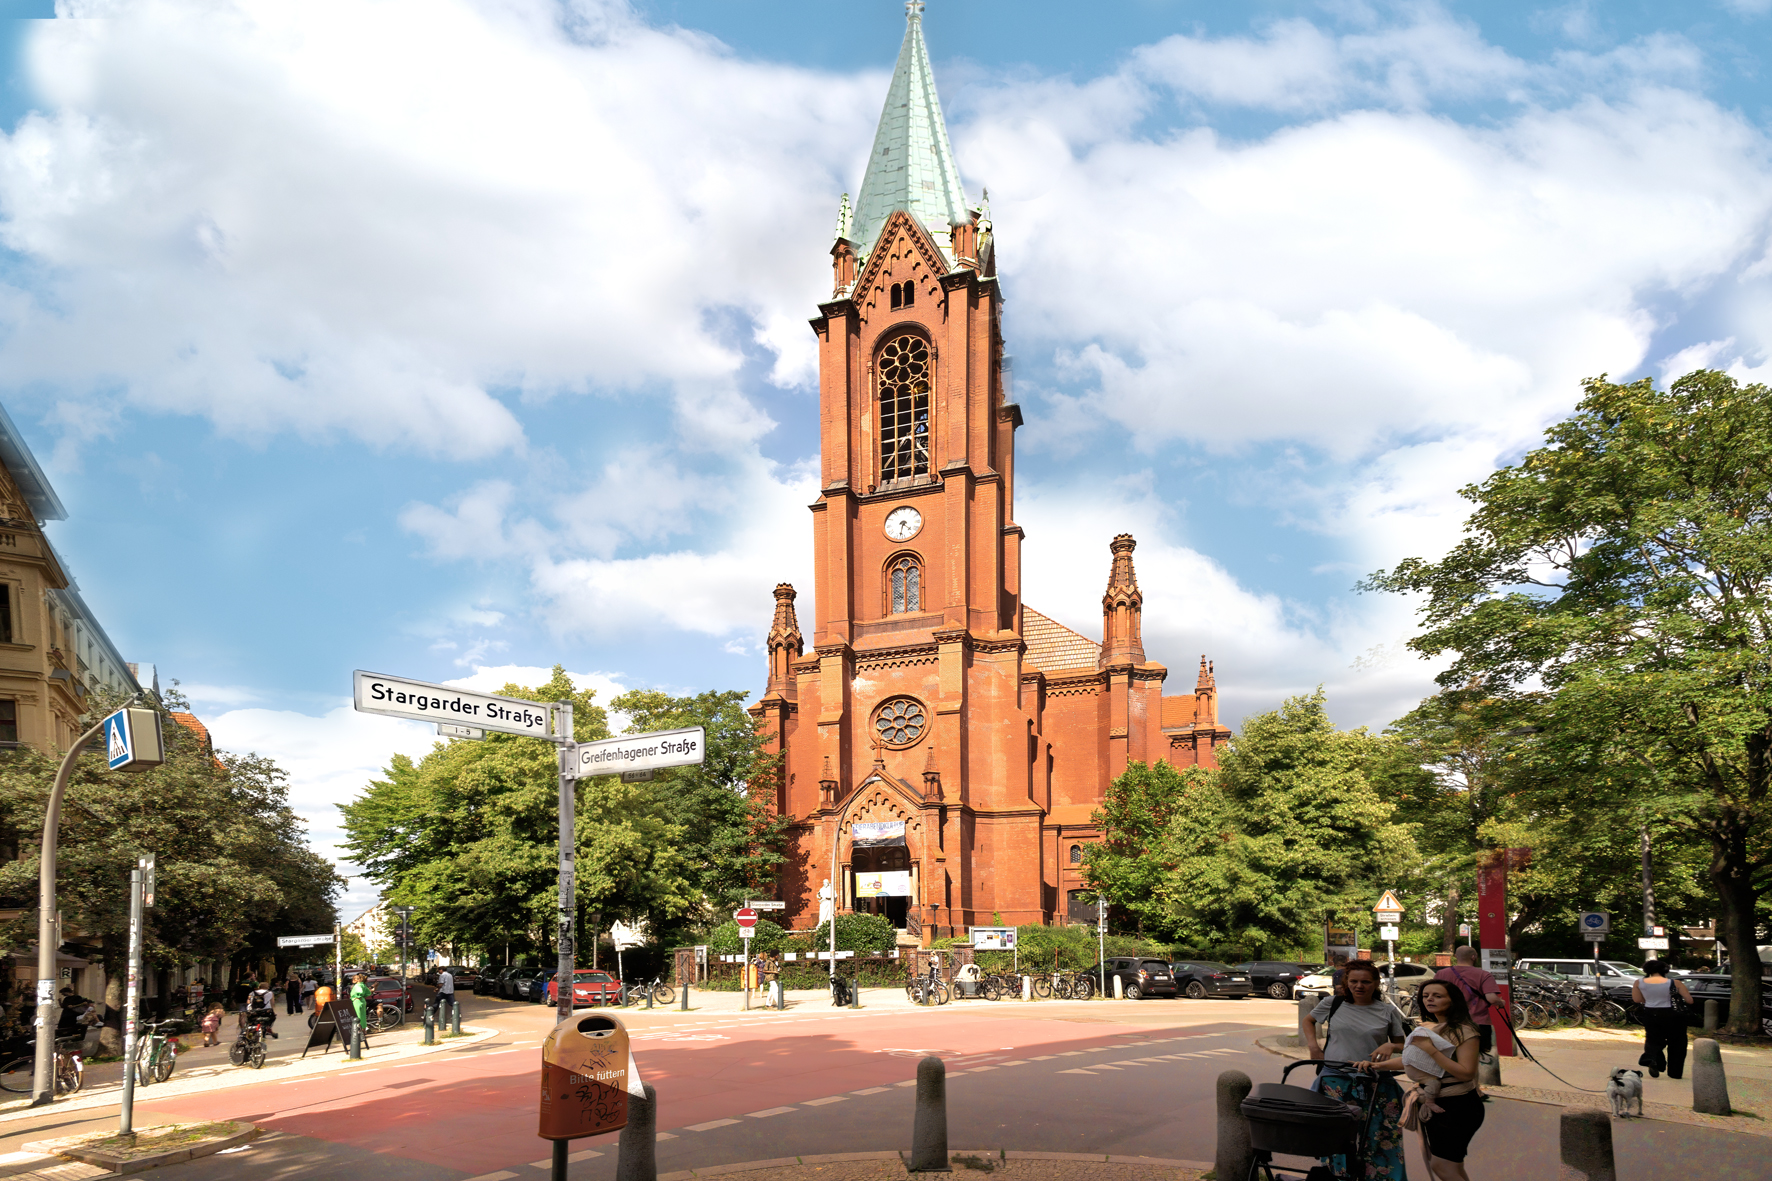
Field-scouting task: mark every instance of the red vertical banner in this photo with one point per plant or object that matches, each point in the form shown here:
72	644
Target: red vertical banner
1492	933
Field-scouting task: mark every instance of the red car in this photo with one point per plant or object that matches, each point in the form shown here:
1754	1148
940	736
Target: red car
589	987
387	990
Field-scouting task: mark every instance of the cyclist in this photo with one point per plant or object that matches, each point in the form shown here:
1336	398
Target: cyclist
261	1009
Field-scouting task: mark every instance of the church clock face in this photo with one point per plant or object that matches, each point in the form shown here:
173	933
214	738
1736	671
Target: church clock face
903	523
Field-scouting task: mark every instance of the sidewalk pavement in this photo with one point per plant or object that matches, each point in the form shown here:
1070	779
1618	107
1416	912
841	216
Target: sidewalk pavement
878	997
200	1070
1573	1065
1013	1166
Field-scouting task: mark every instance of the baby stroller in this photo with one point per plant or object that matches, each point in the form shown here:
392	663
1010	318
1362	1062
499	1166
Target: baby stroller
1301	1122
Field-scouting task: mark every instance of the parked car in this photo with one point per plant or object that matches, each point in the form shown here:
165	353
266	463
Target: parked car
466	979
388	989
1200	979
1274	977
589	987
1611	977
1409	978
1139	977
1712	986
519	984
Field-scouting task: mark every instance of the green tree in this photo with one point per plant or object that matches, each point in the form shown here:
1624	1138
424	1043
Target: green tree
1624	567
1136	811
234	869
734	839
1288	833
468	836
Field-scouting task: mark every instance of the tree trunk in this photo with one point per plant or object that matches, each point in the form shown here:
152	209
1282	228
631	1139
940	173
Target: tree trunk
1449	919
1732	875
116	960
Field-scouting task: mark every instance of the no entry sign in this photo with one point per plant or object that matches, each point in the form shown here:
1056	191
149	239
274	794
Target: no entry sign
745	917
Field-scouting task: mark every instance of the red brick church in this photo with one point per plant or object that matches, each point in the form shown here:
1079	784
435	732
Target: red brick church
949	739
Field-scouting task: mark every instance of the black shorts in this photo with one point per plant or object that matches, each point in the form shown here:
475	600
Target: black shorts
1449	1132
1485	1038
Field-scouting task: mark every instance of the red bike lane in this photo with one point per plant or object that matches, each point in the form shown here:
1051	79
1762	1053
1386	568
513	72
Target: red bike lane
475	1110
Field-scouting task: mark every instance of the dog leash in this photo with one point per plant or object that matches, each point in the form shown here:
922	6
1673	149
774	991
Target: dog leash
1526	1053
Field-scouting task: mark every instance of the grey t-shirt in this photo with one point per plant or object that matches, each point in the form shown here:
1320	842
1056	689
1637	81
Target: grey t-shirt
1357	1030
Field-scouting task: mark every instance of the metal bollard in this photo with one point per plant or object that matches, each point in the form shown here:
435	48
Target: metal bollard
855	991
635	1159
929	1133
356	1039
455	1017
430	1023
683	1002
1710	1086
648	997
1710	1016
1586	1146
1234	1153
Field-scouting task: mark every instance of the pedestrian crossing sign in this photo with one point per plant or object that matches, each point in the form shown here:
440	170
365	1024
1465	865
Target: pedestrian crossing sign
132	740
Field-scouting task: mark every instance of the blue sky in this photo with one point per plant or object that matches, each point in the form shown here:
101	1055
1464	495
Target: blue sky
454	340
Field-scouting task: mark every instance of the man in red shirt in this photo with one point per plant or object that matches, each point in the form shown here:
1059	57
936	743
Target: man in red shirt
1480	992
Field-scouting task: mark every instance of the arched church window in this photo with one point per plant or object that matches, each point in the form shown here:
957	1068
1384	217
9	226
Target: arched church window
906	578
910	294
1076	854
904	408
900	722
897	296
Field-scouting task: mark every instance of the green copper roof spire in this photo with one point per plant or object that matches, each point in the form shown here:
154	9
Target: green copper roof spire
912	166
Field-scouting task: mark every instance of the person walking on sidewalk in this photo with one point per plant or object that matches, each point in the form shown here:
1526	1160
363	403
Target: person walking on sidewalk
1480	992
1664	1021
1358	1028
360	1000
292	991
308	988
446	994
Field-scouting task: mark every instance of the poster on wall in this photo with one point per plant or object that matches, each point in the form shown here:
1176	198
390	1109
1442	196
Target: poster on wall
1345	944
877	835
886	883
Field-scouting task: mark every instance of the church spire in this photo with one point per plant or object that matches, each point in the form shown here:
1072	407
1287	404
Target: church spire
1122	609
912	165
785	644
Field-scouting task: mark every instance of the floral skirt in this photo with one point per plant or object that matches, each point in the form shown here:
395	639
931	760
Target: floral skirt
1384	1135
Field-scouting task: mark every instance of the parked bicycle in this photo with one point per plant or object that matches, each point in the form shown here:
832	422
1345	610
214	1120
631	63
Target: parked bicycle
929	988
155	1054
69	1072
250	1046
384	1017
662	993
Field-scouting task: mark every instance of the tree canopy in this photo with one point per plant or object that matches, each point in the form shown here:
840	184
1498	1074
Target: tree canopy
1623	569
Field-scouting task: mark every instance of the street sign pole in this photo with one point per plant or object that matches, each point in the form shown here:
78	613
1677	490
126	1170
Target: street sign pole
132	995
1389	912
568	867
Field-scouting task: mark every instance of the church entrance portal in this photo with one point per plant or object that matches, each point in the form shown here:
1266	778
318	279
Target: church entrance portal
892	858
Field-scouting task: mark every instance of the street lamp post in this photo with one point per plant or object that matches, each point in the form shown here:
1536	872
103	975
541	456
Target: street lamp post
42	1072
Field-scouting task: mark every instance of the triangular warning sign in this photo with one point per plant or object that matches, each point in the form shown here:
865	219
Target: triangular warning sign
116	744
1388	902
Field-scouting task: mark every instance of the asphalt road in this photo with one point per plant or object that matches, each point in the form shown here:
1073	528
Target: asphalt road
1133	1078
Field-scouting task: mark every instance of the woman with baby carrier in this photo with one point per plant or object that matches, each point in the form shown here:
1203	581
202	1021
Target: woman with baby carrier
1363	1029
1663	1004
1440	1058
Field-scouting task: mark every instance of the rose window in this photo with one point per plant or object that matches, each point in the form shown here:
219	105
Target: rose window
900	722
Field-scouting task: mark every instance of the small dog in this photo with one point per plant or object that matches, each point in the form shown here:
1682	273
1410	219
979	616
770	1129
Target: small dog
1624	1086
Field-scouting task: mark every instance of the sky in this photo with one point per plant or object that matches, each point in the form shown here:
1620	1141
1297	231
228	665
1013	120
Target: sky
455	340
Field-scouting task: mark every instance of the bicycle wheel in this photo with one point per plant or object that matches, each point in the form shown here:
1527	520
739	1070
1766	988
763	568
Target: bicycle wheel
991	992
258	1055
163	1064
1042	987
389	1016
943	994
17	1075
663	994
1537	1016
239	1052
1609	1014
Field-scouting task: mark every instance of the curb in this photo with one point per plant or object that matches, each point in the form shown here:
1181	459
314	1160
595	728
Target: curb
784	1162
122	1165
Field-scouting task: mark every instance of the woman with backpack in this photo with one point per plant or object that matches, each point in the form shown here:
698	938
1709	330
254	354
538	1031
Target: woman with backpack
1365	1030
1664	1003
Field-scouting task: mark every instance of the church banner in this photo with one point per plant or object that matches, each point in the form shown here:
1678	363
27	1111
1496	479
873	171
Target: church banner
893	883
878	835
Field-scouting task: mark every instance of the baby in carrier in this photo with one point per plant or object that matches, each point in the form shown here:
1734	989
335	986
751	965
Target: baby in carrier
1421	1069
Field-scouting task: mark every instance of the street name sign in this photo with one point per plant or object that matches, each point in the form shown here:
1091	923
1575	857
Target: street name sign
643	752
302	940
766	906
1652	943
401	697
132	740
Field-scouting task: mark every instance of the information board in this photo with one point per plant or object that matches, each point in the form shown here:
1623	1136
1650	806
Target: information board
336	1019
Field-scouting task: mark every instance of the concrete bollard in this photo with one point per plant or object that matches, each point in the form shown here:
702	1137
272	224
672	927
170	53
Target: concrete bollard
455	1017
1305	1005
635	1152
1710	1016
1027	988
929	1133
1586	1146
683	999
1710	1087
430	1025
1234	1154
1119	988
